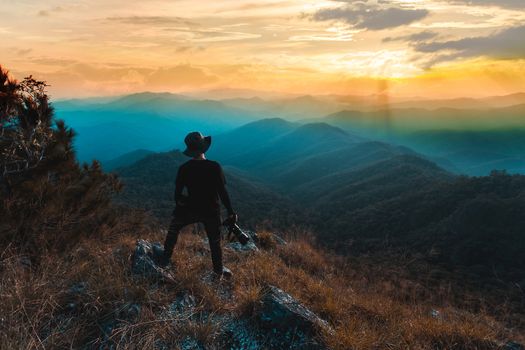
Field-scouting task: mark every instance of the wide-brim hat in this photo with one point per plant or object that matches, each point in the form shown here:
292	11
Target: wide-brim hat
196	144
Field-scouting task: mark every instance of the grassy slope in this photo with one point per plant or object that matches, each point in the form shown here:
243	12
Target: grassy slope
367	309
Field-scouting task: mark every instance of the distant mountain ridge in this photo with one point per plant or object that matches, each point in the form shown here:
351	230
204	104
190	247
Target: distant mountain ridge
144	121
472	141
358	196
126	159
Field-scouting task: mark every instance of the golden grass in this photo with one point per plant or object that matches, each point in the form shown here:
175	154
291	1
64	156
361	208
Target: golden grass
35	313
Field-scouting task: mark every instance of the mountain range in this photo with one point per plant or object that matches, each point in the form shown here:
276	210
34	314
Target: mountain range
151	121
465	139
358	196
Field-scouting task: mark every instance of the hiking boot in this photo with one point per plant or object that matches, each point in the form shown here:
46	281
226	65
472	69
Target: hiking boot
226	273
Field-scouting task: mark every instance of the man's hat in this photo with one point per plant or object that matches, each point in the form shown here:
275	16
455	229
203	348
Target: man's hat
196	144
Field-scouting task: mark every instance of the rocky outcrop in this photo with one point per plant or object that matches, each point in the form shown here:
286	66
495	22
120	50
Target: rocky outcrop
279	320
248	247
143	261
254	244
293	325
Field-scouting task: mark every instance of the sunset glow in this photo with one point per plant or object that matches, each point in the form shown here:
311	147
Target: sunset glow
427	48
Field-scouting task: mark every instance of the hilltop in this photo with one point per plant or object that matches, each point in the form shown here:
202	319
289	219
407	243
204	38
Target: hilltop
89	297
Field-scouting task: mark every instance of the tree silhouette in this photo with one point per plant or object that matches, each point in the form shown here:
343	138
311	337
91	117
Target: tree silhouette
48	199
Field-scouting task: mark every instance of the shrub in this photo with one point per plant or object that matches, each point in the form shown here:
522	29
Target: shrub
48	200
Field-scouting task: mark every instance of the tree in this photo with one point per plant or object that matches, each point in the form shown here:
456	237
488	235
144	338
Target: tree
48	199
25	124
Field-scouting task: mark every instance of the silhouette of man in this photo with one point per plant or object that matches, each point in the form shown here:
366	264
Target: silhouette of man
205	184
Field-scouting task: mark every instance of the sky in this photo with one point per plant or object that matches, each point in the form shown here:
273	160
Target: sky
414	48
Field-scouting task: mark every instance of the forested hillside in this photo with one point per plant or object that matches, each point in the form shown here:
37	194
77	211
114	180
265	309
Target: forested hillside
356	196
150	184
472	141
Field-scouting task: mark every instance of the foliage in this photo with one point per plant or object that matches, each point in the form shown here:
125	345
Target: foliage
469	224
48	199
25	124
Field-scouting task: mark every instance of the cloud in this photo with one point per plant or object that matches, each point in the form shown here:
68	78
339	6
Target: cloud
100	73
23	52
513	4
364	16
417	37
98	79
153	20
505	44
322	37
47	61
255	6
180	76
47	13
192	30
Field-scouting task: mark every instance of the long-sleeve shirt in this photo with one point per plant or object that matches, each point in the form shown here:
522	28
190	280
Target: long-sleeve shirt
205	182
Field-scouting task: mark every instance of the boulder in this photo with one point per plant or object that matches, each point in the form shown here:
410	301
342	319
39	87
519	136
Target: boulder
291	323
144	258
248	247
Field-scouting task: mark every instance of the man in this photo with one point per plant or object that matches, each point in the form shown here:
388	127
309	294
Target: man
204	181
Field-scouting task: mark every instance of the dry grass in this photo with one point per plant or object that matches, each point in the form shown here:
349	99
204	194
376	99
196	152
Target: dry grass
38	312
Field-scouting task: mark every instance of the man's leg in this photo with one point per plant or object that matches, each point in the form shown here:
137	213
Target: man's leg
212	226
177	223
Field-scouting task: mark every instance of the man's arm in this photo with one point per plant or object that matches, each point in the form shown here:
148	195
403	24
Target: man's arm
223	193
179	187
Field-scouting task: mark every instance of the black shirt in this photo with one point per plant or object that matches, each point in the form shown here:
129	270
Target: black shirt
205	182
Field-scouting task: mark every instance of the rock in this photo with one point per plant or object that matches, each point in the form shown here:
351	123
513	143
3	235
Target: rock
144	257
239	335
280	309
435	313
289	321
248	247
513	346
184	303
